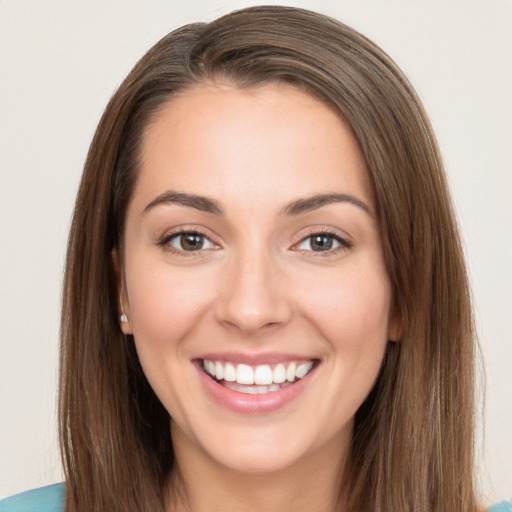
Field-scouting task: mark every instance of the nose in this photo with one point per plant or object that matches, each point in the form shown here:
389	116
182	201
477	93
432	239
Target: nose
253	295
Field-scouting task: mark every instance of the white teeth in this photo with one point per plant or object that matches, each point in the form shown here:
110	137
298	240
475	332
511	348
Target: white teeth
254	390
229	372
263	375
279	374
290	373
244	374
303	369
219	370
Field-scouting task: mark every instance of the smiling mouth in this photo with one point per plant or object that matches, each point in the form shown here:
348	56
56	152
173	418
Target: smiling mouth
258	379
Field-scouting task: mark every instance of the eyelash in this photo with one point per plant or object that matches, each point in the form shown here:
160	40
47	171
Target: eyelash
164	242
344	244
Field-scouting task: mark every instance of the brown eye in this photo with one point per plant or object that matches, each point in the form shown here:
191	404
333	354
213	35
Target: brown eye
322	242
190	242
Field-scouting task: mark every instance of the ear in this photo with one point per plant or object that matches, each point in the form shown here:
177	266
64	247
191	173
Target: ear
395	325
123	308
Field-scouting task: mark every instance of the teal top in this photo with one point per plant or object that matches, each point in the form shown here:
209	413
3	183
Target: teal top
503	506
51	499
44	499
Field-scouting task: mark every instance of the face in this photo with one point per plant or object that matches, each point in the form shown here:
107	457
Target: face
253	277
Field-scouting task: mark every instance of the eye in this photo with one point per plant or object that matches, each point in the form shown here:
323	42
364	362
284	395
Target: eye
188	241
323	242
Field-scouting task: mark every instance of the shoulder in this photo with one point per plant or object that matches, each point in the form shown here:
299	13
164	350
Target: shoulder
44	499
502	506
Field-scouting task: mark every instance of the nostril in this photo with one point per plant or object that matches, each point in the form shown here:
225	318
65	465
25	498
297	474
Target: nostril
251	294
252	316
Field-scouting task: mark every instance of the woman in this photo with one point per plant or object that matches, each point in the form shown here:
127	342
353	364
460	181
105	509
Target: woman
265	300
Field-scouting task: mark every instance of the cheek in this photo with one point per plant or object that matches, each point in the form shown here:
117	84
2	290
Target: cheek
353	322
166	308
353	304
165	304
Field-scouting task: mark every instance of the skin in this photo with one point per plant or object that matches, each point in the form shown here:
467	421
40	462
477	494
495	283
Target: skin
256	286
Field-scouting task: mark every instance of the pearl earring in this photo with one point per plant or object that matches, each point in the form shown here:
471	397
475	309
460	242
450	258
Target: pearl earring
124	318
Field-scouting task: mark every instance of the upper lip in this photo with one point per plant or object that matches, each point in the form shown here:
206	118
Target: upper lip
255	359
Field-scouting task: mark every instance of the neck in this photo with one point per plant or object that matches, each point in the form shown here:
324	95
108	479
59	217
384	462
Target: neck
199	484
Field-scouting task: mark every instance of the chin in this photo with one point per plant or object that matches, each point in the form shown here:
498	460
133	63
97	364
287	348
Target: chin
256	460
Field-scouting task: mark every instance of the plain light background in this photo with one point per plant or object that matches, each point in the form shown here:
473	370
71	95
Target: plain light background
59	64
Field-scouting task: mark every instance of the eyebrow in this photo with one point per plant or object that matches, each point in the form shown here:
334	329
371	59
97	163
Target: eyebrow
313	203
205	204
201	203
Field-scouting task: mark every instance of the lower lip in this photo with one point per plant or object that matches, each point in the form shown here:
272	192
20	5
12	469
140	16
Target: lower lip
261	403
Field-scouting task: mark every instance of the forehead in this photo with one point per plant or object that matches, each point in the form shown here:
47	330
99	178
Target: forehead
273	141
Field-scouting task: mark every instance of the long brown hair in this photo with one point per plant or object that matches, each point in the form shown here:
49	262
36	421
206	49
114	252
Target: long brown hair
413	437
